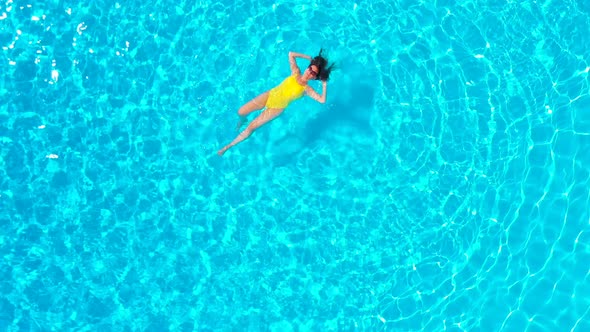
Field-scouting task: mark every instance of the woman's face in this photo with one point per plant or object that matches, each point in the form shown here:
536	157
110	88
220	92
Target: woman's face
311	72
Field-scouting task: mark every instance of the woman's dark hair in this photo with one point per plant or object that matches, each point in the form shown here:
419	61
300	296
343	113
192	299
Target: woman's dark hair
323	68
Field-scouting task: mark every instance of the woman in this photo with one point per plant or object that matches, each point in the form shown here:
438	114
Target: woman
278	98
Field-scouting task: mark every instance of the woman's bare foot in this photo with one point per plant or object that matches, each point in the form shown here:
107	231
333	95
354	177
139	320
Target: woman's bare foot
222	151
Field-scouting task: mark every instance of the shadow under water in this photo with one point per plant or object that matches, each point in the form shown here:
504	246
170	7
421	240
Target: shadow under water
352	109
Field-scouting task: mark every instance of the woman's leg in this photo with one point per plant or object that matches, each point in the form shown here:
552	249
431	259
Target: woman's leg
268	115
253	105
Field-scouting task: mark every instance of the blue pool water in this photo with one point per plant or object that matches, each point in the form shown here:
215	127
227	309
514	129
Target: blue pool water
443	186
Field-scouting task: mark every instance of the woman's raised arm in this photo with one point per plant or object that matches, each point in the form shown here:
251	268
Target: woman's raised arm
294	68
313	94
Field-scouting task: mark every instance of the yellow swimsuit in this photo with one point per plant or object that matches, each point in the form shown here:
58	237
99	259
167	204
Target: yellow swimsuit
283	94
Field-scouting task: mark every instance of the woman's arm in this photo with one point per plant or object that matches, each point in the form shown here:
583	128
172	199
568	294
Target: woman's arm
294	68
311	92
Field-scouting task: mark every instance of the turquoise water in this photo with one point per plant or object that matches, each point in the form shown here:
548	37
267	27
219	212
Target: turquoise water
443	186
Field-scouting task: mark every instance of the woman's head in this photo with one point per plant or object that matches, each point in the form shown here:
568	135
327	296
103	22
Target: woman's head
319	66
